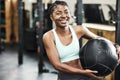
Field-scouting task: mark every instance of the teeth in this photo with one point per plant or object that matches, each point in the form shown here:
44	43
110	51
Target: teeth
63	21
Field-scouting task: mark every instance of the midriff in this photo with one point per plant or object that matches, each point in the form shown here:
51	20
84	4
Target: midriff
74	63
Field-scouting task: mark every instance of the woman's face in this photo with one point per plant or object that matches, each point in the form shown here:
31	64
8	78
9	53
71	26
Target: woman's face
61	15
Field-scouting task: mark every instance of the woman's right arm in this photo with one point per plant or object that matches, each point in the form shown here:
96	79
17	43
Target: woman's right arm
53	56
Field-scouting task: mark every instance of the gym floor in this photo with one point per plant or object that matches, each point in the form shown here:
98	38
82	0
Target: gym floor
10	70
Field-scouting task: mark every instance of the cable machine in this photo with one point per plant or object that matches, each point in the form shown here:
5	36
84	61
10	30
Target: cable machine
39	39
0	35
117	70
78	14
39	33
20	24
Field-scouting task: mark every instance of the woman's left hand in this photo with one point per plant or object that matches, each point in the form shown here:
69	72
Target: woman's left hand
118	52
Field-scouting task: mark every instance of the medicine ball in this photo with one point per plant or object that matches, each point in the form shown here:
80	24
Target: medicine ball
99	55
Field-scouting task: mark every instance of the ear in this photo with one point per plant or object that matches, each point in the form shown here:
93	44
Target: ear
51	17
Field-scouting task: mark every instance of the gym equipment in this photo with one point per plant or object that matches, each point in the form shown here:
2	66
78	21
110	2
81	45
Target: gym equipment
117	70
99	55
20	27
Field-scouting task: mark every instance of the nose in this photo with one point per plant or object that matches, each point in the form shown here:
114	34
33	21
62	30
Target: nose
63	15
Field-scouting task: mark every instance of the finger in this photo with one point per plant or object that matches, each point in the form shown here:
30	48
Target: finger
117	48
94	76
118	51
94	71
118	61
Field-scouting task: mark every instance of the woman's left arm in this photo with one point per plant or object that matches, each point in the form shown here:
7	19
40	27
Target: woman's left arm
86	33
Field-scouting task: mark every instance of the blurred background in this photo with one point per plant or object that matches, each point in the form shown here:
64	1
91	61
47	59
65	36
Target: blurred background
23	22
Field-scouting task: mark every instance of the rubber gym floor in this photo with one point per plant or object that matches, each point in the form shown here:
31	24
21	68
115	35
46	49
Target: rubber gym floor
10	70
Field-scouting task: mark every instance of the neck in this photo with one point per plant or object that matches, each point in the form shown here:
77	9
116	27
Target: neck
62	30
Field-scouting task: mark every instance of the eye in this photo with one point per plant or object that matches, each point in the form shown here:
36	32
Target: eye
58	13
66	12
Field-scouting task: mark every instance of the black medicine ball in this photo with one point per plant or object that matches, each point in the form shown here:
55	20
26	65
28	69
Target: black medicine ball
99	55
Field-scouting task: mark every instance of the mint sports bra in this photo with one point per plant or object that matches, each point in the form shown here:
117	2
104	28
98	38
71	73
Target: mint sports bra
69	52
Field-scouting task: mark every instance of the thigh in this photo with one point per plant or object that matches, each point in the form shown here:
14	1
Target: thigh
68	76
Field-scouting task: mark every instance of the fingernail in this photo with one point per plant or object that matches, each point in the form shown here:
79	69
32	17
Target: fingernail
96	71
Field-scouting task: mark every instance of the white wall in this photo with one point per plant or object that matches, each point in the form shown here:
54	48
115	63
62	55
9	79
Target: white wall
100	1
71	3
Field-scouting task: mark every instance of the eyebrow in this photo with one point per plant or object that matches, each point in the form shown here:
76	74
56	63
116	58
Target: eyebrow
61	11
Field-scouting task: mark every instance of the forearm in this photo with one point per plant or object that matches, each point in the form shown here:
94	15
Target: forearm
69	69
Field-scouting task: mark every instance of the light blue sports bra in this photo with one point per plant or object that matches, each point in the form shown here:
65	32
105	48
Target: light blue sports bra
69	52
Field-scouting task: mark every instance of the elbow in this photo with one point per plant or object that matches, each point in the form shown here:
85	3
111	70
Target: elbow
57	66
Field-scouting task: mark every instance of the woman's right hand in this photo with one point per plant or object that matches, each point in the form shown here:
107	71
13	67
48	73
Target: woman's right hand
91	73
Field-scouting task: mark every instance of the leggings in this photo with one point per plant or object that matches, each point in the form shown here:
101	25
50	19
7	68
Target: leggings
68	76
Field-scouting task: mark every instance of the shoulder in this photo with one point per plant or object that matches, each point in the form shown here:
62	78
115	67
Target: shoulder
79	29
48	36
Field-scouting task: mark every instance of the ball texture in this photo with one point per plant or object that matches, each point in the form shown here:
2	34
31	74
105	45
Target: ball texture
99	55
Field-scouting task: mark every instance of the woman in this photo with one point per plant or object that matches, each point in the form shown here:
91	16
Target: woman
62	45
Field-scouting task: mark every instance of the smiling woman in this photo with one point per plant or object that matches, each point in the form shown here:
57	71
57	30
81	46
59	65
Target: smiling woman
60	14
62	45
